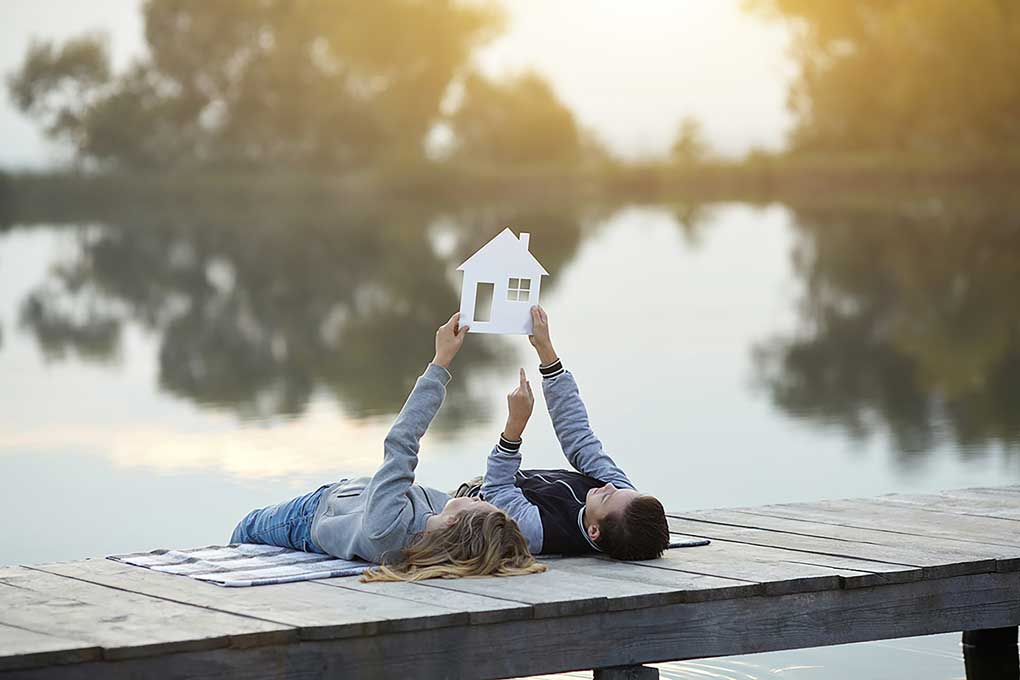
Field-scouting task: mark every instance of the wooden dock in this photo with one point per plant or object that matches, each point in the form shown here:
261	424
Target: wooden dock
774	577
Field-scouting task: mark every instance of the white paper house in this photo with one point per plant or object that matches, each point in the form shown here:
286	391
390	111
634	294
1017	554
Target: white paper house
501	283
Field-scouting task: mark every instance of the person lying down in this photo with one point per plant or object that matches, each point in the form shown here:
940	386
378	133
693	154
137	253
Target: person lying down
412	532
593	508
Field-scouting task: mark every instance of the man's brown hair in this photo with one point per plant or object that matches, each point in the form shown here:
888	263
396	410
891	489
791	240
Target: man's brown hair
638	533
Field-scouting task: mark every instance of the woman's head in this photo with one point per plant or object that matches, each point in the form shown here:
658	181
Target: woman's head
454	508
476	541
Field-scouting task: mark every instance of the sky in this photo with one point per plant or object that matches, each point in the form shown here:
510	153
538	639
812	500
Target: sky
629	71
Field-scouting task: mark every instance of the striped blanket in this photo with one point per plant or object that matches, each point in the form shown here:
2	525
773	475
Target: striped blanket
248	564
244	564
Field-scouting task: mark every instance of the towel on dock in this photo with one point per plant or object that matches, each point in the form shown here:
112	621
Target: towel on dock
244	564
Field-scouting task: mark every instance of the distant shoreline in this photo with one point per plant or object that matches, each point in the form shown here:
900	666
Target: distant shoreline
759	179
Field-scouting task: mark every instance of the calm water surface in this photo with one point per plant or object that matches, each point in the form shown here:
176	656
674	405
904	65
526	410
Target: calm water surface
164	371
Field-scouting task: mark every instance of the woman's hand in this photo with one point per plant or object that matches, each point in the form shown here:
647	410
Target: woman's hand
449	339
520	402
540	335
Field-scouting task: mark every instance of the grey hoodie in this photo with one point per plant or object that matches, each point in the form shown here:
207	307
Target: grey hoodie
374	518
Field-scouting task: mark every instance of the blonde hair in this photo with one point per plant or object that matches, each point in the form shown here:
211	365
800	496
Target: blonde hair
476	544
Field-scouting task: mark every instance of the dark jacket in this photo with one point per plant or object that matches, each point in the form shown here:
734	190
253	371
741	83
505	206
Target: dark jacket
547	504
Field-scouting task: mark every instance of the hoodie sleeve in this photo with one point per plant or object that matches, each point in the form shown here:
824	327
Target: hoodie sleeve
387	507
570	421
499	489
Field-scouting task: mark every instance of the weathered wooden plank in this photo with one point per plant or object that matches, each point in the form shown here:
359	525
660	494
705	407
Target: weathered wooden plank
557	592
786	570
677	585
20	648
979	502
480	609
934	562
773	579
1007	559
1002	490
679	631
865	514
124	624
312	610
1007	491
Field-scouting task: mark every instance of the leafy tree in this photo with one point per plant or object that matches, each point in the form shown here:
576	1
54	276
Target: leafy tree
690	146
59	85
929	76
326	83
520	120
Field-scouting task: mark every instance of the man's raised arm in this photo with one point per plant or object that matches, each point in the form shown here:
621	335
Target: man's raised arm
504	461
569	417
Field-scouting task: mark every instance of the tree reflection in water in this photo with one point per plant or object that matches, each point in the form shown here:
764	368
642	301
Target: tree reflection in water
908	322
260	303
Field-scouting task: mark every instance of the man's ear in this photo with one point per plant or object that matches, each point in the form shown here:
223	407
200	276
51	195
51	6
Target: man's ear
594	533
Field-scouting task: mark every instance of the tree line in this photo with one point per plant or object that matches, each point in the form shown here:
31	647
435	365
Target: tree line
341	85
910	76
317	84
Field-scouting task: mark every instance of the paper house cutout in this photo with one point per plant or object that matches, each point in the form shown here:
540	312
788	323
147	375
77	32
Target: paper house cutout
501	283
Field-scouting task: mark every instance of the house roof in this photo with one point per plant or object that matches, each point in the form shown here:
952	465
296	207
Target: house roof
502	251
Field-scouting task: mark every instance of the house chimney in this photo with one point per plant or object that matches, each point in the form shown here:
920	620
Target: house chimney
525	237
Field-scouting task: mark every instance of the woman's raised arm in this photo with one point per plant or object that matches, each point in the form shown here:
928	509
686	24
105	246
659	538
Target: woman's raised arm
387	506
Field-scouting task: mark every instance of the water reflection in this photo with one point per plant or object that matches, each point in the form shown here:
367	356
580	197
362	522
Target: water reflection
692	218
258	304
908	322
932	657
906	318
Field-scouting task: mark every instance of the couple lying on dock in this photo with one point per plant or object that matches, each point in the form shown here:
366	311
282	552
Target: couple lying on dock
491	526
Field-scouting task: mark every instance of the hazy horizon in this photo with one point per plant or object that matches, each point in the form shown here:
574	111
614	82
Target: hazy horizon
607	65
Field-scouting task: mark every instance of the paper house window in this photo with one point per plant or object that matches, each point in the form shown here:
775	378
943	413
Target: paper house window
519	290
497	278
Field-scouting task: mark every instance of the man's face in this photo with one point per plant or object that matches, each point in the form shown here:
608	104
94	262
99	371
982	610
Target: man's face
606	500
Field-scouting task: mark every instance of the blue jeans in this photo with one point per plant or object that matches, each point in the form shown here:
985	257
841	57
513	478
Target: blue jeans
287	524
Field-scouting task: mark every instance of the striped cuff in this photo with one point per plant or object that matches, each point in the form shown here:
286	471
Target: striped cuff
508	446
551	370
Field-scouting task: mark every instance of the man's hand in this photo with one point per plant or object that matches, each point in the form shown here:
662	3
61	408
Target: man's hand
540	335
520	402
449	339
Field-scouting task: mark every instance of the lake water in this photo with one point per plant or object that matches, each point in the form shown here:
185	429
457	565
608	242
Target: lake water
165	369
